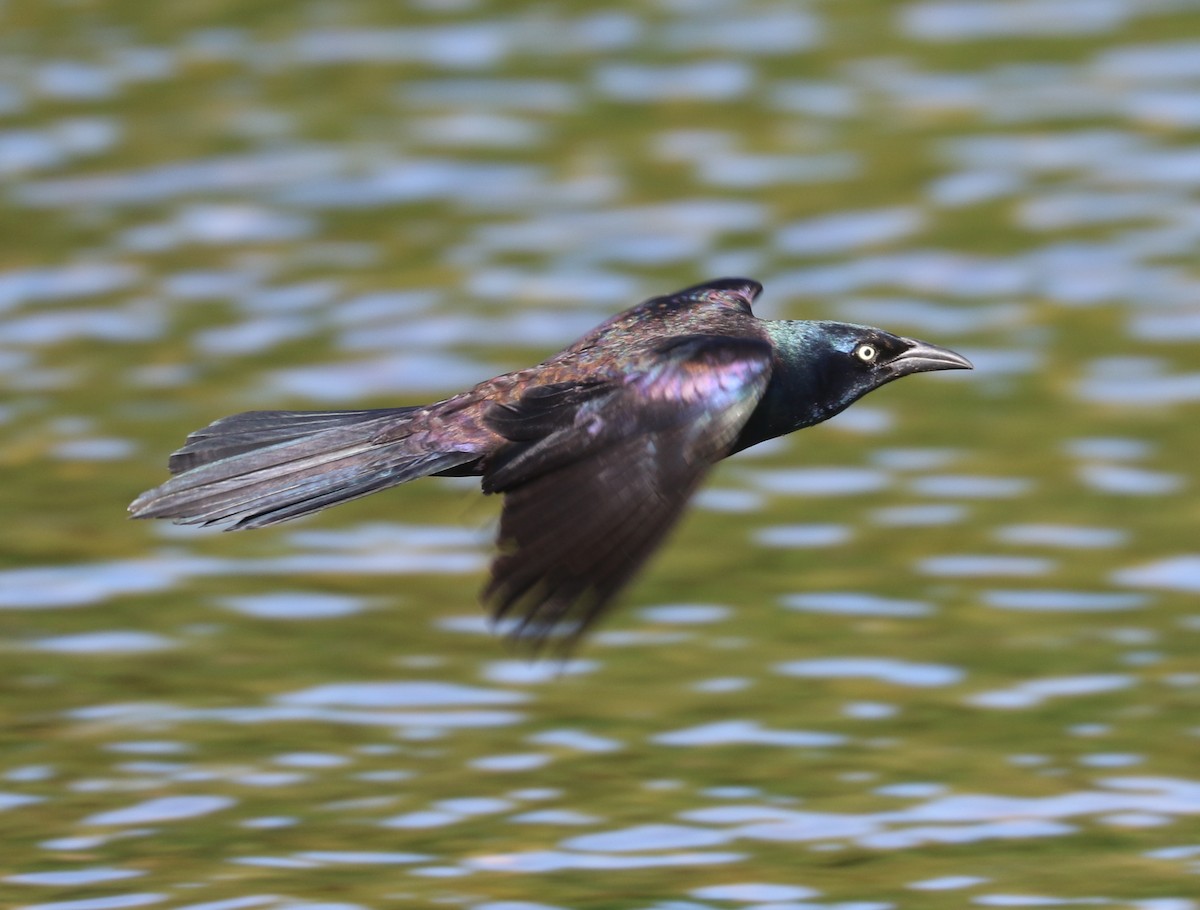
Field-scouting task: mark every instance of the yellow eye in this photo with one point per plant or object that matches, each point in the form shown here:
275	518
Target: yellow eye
866	353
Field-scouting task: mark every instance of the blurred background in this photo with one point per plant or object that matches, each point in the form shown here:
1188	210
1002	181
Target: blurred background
940	652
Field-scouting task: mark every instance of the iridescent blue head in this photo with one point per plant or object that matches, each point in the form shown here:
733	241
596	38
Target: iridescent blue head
824	367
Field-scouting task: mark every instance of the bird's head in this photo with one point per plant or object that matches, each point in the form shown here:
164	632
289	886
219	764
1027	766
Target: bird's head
830	365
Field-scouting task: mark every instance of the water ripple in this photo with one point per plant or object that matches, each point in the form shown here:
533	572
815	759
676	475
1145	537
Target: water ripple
966	486
114	642
846	604
102	903
820	481
966	566
1126	481
1075	537
71	877
802	536
1063	601
1033	692
755	892
884	669
399	695
847	231
296	605
162	809
737	732
161	183
1178	573
975	19
559	860
715	80
22	151
80	279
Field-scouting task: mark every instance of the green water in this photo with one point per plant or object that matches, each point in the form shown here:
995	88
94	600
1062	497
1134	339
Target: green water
938	653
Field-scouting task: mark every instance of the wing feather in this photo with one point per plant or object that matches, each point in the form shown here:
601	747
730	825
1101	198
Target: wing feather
589	499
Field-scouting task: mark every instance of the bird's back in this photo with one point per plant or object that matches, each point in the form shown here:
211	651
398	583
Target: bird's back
628	338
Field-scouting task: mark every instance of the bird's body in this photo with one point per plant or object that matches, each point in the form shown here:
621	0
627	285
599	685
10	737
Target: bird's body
596	449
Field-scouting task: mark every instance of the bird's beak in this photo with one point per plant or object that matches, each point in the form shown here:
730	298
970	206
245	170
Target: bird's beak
921	357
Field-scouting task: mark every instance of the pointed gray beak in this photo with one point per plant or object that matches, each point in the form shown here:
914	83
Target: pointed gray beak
922	357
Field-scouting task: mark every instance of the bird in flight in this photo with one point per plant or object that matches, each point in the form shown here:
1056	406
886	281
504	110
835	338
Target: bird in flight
595	450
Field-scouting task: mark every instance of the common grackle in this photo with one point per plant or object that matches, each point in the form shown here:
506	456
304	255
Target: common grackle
596	449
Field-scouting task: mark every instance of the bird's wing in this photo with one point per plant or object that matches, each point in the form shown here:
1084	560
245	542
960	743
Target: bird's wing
595	475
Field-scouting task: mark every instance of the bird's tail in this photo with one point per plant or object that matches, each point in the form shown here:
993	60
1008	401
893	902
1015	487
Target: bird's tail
263	467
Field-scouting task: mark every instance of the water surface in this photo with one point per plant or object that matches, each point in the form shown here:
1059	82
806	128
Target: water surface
940	652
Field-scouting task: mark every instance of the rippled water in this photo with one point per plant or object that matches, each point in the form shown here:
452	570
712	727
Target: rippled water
939	653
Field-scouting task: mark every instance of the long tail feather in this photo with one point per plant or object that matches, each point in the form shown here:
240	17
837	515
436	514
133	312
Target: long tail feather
263	467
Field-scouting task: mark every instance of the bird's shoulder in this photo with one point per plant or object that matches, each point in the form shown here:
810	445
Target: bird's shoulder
638	334
683	313
628	344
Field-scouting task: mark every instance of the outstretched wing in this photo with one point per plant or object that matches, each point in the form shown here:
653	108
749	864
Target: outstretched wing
595	475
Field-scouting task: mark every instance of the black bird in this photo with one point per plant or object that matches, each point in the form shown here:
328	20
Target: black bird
596	449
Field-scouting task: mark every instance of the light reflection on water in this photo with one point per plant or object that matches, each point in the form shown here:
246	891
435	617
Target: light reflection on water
935	665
